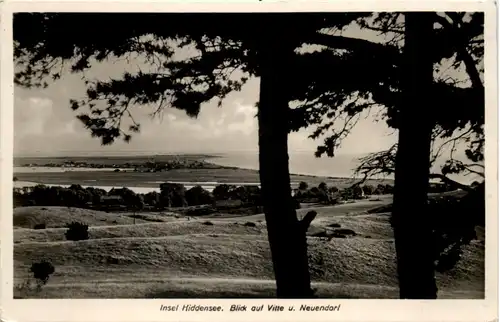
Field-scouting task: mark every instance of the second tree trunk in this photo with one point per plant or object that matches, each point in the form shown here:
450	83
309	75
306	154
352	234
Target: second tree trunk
412	229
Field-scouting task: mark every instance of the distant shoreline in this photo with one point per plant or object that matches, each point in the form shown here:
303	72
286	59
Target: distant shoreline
122	161
19	161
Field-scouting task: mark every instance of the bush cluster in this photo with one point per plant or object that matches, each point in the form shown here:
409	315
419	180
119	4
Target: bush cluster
170	195
77	231
332	195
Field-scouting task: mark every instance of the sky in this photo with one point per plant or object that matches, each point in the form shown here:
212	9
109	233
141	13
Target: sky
44	125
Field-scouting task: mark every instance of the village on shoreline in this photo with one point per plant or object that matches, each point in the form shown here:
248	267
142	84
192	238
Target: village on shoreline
187	197
141	165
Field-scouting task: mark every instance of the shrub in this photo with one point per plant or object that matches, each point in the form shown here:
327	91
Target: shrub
323	186
173	195
353	192
42	271
250	195
454	222
208	223
40	226
223	192
250	224
77	231
314	191
333	189
379	190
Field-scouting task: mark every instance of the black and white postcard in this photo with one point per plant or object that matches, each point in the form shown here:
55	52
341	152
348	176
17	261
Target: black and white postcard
256	161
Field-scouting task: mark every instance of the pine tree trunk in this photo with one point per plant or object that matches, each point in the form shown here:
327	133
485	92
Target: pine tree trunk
412	231
287	238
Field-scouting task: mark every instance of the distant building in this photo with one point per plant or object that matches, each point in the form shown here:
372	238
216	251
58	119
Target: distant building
111	203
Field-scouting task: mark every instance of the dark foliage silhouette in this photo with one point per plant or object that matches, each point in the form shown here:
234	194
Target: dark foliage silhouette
40	226
173	195
42	271
198	196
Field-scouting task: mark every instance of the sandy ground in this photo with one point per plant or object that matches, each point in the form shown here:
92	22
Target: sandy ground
217	256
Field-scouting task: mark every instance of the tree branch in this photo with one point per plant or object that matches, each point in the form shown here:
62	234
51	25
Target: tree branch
340	42
462	53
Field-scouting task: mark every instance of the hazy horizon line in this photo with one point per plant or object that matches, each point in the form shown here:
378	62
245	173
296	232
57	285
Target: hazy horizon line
74	153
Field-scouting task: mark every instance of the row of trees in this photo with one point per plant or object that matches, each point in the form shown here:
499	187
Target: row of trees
176	195
425	105
356	191
332	195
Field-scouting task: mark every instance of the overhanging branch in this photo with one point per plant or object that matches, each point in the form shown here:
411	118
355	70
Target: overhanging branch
347	43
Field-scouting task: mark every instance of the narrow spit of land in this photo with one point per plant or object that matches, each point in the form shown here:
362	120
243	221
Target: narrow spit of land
149	171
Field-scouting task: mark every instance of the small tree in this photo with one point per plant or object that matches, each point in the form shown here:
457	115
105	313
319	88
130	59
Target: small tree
173	195
303	185
77	231
223	191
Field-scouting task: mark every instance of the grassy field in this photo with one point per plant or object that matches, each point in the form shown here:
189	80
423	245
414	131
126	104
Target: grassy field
169	256
138	179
